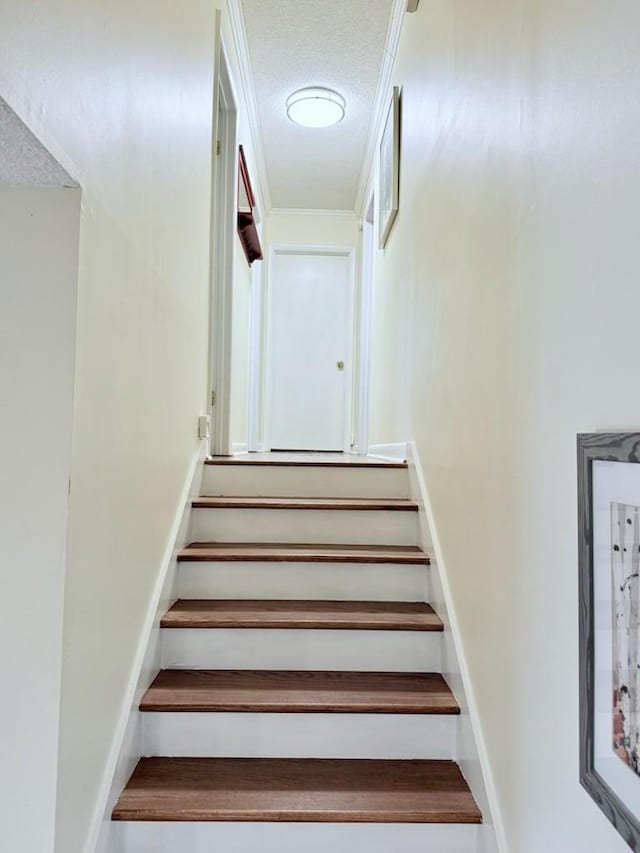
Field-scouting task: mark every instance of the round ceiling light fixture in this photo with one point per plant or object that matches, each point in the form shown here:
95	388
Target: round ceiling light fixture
316	107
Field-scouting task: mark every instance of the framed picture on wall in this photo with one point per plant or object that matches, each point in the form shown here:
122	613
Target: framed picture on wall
247	228
389	169
609	622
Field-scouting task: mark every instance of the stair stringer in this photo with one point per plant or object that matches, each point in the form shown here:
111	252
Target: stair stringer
471	749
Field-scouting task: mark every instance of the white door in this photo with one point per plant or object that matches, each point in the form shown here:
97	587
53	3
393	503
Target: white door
310	328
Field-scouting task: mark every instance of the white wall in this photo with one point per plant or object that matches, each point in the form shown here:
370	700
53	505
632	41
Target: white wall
126	750
509	293
121	93
39	230
241	320
301	227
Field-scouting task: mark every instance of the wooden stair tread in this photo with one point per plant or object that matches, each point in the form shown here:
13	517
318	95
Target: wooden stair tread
346	615
291	553
300	460
372	504
295	790
300	692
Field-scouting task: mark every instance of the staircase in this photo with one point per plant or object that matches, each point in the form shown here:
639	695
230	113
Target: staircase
301	705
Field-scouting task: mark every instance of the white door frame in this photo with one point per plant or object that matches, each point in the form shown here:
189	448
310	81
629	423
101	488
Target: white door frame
224	176
296	249
363	333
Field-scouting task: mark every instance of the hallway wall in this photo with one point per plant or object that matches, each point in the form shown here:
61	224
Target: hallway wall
509	293
38	295
241	320
121	94
308	227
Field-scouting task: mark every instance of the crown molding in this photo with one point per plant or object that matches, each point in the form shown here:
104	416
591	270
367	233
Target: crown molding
241	46
381	103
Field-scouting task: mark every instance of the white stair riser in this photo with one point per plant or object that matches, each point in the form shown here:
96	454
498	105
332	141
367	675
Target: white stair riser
248	735
140	837
240	648
292	482
306	581
305	526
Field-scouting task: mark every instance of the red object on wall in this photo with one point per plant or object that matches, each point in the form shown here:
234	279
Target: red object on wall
247	230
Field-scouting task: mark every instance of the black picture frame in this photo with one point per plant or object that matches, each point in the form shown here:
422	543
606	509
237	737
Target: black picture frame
606	447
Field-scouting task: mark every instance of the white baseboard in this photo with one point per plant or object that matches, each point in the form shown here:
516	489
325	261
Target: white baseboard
396	452
239	447
127	740
472	753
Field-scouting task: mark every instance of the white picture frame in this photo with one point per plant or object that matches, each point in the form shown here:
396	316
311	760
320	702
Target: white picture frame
389	170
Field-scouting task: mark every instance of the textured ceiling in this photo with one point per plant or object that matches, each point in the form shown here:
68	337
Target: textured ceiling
23	160
297	43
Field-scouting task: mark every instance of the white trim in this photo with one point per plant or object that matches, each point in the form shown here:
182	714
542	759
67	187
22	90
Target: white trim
474	763
221	286
311	249
256	327
310	211
213	201
241	46
239	447
394	452
363	332
381	102
125	749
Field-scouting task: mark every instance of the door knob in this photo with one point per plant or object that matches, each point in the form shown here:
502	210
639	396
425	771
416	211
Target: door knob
340	365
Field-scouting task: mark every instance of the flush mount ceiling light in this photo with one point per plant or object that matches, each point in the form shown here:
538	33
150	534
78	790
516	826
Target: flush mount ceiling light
316	107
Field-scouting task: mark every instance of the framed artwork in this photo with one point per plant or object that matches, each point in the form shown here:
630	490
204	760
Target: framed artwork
609	622
389	169
247	230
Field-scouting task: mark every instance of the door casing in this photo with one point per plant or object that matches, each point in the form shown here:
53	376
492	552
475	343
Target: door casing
297	249
224	173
